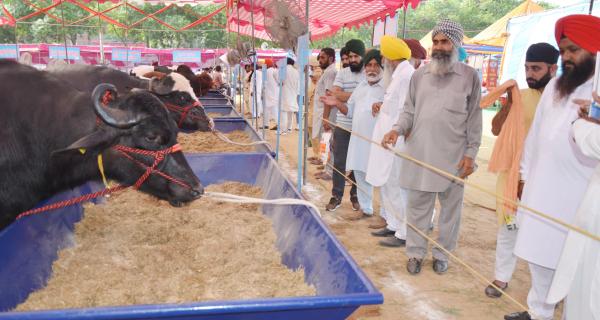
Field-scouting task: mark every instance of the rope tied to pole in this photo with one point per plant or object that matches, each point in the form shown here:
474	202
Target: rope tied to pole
476	186
474	272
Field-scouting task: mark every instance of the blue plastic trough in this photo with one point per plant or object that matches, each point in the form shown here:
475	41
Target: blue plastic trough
214	101
214	93
223	111
233	124
29	246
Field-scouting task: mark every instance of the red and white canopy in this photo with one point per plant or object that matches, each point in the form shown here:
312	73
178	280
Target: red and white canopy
326	17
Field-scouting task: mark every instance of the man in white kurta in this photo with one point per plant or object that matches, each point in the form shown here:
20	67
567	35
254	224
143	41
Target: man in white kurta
289	96
257	111
383	171
554	170
367	93
271	91
578	273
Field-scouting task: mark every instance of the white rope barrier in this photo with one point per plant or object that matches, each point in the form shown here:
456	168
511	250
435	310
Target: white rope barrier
226	197
478	187
223	137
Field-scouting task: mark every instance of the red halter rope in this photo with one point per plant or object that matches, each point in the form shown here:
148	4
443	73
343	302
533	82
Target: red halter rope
158	155
183	110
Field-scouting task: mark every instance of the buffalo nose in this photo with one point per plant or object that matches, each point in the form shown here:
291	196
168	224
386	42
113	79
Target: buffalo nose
197	192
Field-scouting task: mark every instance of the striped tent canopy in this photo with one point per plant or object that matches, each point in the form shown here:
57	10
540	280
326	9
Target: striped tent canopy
326	17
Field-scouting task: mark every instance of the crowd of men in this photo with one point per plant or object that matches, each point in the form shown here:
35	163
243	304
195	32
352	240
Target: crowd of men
545	155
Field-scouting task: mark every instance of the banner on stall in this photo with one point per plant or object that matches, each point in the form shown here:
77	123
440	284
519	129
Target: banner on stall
58	52
8	51
187	56
119	54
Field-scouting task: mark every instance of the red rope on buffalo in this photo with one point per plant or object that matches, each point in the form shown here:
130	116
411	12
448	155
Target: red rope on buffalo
124	150
184	111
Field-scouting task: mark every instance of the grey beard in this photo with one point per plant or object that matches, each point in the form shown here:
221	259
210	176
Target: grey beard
442	65
388	71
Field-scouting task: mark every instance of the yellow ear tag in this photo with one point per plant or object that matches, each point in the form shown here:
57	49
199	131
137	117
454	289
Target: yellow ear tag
82	150
101	168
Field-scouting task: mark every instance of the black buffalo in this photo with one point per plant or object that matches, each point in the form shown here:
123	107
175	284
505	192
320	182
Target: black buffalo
45	123
173	89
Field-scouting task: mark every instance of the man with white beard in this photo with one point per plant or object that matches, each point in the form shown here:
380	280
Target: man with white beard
554	170
442	118
383	168
359	110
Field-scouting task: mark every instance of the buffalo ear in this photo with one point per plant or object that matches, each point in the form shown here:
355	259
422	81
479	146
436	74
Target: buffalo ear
94	142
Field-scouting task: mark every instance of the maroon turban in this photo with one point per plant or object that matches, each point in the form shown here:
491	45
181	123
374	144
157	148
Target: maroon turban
416	49
582	29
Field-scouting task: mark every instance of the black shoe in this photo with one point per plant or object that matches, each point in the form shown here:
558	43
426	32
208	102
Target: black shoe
414	265
492	292
393	242
440	266
385	232
355	204
333	204
523	315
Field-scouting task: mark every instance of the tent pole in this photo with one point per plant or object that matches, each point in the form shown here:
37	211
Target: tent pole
404	23
64	32
101	42
239	81
254	58
17	44
306	106
591	6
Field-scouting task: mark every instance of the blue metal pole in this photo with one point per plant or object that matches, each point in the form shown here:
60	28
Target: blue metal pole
262	97
253	96
300	136
278	121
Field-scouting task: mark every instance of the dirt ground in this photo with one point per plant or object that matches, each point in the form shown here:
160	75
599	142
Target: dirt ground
455	295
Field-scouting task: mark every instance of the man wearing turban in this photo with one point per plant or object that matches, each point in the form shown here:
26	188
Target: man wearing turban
384	167
578	273
358	109
511	125
345	82
442	120
554	170
417	52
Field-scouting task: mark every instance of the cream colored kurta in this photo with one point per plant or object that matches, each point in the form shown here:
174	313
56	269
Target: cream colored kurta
578	273
443	117
556	176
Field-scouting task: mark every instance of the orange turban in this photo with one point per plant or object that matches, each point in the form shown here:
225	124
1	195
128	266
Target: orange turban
269	62
582	29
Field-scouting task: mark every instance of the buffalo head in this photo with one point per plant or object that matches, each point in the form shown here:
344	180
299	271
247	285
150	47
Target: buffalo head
178	95
139	120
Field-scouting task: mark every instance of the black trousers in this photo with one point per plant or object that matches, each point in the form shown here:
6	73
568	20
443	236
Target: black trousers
341	140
